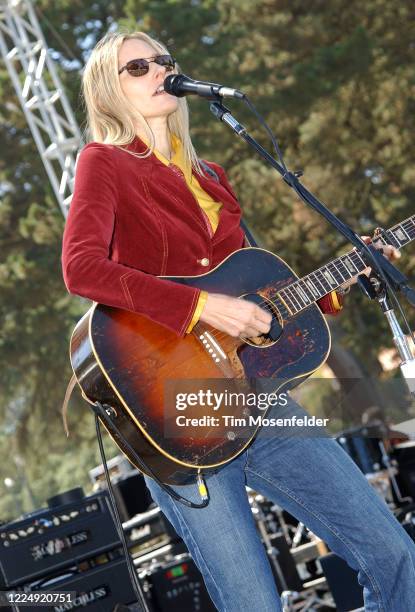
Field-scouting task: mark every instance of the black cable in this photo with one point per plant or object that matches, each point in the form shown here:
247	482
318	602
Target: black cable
131	569
268	129
203	490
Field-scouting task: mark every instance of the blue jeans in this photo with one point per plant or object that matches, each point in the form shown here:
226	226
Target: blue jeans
313	479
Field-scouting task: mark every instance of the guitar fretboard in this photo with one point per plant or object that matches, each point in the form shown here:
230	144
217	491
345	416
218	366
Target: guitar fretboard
308	289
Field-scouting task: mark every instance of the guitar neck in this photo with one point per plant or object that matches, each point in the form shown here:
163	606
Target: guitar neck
308	289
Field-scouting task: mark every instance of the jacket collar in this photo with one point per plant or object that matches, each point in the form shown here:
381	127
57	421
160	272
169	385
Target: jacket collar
156	161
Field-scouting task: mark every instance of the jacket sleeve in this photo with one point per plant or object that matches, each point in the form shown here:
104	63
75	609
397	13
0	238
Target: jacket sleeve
87	268
332	303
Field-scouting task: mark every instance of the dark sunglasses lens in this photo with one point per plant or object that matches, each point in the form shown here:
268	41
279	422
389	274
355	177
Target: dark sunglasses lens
138	67
166	61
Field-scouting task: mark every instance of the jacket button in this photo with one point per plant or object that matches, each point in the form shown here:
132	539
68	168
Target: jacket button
204	262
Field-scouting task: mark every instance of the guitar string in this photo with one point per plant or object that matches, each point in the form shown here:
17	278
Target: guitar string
294	310
219	335
349	255
409	223
285	298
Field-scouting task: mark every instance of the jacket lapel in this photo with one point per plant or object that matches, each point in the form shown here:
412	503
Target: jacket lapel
155	170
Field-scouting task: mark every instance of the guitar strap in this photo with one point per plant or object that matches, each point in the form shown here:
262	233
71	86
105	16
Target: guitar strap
248	236
68	393
64	409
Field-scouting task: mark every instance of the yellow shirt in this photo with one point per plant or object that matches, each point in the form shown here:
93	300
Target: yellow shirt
209	206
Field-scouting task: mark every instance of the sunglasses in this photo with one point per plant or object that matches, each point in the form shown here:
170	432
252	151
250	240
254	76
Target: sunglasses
140	67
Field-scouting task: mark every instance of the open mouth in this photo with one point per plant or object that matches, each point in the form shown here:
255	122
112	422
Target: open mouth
159	90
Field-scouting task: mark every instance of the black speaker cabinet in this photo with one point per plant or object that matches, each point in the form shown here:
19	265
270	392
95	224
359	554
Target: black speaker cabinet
342	580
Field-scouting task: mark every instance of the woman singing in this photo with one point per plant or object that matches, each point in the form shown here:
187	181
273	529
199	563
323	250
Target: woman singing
144	206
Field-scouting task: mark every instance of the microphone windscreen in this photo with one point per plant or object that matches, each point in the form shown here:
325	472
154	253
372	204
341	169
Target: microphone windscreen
172	84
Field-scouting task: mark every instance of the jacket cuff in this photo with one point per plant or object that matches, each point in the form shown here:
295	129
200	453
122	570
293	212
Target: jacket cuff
331	303
203	296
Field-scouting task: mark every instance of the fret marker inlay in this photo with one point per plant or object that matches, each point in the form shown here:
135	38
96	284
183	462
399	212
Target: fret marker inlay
329	278
349	266
312	288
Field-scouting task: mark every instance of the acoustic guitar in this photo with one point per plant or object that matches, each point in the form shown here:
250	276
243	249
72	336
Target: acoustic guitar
137	367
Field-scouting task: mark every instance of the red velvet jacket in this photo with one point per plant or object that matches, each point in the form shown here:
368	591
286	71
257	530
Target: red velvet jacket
132	220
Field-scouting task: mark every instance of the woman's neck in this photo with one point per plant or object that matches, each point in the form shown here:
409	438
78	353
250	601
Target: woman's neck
162	137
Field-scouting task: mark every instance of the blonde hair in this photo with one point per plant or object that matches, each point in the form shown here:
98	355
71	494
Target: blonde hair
111	118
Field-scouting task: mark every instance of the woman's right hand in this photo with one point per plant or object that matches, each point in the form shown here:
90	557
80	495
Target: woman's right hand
235	316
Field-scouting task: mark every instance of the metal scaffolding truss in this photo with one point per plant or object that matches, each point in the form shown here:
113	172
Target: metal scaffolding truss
41	95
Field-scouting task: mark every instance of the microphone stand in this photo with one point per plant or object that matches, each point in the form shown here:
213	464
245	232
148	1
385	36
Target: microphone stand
382	268
400	340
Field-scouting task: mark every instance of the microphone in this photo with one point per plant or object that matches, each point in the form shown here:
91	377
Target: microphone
180	85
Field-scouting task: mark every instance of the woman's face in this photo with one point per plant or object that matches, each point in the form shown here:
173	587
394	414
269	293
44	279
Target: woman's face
141	90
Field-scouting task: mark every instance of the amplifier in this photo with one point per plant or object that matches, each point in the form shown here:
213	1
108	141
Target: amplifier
286	564
409	527
131	494
98	589
178	585
148	531
404	455
118	466
343	583
52	538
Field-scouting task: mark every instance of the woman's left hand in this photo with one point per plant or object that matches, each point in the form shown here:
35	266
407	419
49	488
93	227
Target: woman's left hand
389	251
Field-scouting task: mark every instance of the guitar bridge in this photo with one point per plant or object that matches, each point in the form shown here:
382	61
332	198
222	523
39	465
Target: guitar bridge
212	347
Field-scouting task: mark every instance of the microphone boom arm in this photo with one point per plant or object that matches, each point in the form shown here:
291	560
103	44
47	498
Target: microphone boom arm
382	266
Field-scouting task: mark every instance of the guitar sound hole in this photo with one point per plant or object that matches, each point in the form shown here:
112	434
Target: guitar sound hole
276	327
